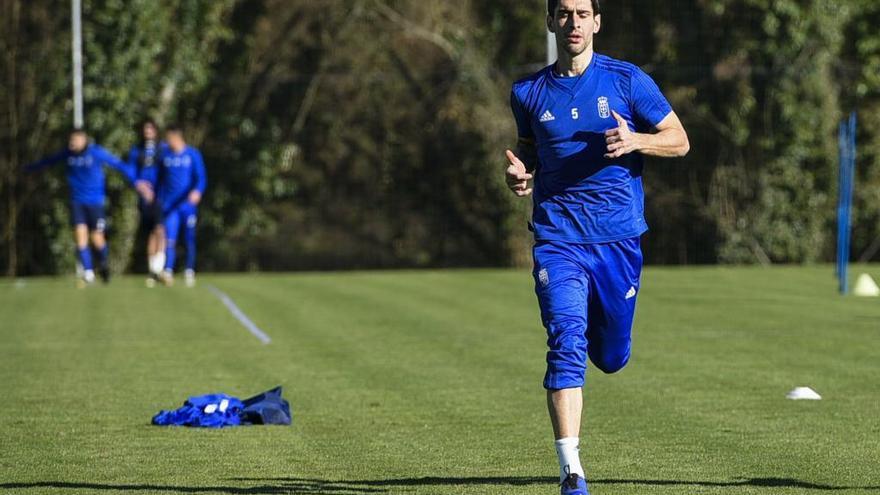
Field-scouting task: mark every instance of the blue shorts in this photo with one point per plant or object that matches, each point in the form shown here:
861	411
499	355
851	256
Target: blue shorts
185	215
587	294
90	215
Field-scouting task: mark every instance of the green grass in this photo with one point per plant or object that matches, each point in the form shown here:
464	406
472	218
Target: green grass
430	383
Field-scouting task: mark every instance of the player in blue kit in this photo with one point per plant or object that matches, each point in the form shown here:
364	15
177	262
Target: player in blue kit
85	176
584	124
143	156
180	182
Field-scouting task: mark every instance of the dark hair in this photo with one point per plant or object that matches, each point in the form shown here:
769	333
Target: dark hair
552	5
174	128
78	130
139	130
147	121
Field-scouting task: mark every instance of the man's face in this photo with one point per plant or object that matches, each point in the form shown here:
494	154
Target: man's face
175	141
77	142
574	24
150	132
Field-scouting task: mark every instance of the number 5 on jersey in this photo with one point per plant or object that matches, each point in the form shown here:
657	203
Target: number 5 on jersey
574	114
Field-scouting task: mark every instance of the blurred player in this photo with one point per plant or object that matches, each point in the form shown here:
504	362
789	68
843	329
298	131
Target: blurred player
180	182
85	176
142	158
584	124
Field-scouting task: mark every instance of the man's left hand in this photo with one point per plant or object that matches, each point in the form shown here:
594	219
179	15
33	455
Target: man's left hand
621	141
145	189
195	197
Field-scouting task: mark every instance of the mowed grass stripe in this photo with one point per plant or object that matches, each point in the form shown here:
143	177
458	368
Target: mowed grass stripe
402	375
376	340
736	382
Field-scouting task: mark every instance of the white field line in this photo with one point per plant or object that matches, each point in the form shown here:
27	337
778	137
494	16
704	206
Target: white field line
239	315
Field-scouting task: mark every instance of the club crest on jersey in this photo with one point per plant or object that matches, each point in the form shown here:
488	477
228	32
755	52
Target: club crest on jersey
544	277
604	109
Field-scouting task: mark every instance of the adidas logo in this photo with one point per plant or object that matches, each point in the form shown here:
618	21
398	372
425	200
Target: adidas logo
547	117
631	293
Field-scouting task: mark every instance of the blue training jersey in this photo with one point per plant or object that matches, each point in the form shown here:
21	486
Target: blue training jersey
85	172
176	175
145	155
579	195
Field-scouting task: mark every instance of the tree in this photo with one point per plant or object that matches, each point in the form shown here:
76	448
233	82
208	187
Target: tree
140	57
31	125
365	129
860	84
371	134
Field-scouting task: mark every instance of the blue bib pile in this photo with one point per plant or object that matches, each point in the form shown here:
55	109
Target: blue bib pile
221	410
205	411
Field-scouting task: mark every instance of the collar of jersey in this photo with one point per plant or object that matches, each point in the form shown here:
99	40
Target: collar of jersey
84	152
182	152
582	79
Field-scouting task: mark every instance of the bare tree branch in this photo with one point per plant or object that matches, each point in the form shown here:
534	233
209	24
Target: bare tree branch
417	31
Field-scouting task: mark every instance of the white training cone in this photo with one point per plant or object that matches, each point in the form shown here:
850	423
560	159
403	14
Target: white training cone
803	393
866	287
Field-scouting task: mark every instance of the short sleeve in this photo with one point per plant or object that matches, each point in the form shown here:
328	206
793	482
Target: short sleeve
523	125
649	106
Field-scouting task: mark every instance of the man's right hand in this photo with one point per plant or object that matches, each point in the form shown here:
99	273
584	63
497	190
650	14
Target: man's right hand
517	176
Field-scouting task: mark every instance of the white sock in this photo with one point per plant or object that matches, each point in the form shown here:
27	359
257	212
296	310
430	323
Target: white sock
157	263
569	457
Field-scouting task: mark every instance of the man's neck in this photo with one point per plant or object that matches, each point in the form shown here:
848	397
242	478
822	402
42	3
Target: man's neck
568	66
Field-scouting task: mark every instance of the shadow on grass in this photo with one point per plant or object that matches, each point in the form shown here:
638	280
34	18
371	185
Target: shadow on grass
750	482
307	486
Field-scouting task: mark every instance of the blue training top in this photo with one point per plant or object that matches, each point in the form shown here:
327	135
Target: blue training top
145	155
580	196
85	172
176	176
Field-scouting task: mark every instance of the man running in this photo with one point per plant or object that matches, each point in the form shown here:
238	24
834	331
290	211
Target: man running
85	176
584	124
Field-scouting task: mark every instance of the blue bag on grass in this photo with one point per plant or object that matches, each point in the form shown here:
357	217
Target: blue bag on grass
268	408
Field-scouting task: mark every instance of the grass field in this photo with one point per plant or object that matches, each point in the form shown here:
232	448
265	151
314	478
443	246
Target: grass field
430	383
